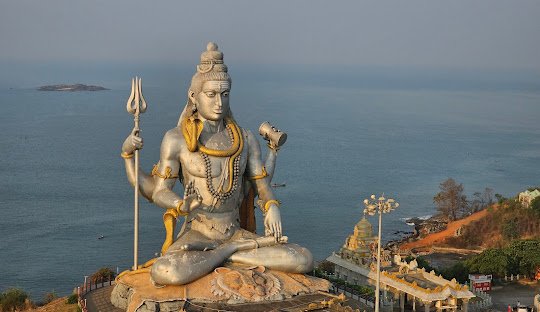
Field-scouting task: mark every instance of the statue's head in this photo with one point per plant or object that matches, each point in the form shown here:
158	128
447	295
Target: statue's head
210	85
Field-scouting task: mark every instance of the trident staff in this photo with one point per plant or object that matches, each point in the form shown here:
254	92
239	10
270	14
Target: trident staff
136	105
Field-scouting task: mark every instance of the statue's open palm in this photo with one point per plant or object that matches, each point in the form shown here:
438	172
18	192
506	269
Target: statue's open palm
272	222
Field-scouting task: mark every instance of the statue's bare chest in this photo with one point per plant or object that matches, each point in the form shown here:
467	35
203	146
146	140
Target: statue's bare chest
194	164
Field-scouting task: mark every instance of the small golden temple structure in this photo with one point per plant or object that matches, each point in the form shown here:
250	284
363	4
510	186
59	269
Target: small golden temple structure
401	282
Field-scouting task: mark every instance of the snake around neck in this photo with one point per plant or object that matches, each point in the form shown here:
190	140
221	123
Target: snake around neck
191	129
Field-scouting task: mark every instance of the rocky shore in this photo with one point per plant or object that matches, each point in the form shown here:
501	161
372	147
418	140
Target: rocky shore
421	228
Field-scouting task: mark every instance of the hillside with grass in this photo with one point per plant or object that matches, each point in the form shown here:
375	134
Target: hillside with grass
499	226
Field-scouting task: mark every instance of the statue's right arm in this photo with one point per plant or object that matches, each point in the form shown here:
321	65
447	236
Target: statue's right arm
167	171
146	183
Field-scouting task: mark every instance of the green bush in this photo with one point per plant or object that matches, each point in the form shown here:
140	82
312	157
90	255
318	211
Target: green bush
102	275
72	299
458	271
535	205
510	229
327	266
520	257
13	299
49	297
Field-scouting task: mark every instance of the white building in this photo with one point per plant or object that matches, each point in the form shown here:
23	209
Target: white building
525	198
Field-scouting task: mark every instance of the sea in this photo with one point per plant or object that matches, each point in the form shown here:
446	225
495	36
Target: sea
352	132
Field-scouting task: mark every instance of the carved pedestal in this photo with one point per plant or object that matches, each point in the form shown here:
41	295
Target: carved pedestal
226	285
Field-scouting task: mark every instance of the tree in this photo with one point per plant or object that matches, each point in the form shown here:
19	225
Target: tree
459	271
451	201
524	256
535	205
500	198
101	275
327	266
490	261
13	299
487	197
510	229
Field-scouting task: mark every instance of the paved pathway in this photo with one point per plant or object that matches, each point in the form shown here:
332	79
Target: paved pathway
99	300
511	293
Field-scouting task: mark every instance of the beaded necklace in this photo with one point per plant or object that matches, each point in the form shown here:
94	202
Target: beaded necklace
233	186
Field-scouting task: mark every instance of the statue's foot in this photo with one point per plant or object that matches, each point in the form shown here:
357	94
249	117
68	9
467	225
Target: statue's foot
247	244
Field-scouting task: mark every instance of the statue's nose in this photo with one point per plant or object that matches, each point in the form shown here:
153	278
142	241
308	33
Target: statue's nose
218	100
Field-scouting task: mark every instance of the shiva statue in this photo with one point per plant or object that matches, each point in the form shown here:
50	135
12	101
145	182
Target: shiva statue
219	165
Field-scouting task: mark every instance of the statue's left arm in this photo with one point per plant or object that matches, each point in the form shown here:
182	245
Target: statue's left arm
257	174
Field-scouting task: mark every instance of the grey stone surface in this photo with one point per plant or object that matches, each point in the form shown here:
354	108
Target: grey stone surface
119	296
171	306
149	306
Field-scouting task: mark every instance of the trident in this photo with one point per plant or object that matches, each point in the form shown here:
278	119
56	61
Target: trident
136	107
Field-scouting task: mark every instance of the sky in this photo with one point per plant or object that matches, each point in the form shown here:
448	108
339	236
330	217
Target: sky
484	34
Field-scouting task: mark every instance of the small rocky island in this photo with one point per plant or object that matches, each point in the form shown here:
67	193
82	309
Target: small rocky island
72	87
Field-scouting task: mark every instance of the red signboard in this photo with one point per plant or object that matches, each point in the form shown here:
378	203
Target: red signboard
480	282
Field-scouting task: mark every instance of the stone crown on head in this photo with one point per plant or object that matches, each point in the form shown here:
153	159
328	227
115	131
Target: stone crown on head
211	68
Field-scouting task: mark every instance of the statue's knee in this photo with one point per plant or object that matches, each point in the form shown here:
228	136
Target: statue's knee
299	258
304	260
166	273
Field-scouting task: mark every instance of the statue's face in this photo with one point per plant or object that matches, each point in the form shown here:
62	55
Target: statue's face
213	101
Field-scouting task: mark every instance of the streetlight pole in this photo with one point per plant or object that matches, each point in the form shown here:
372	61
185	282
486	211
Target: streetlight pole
380	206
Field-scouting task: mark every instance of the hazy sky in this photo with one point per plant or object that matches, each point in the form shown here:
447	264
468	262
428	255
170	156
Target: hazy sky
479	34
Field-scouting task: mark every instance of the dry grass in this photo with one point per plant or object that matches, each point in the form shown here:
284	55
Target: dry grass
493	227
438	238
57	305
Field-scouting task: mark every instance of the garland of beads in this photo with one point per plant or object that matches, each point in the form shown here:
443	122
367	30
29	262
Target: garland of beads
236	173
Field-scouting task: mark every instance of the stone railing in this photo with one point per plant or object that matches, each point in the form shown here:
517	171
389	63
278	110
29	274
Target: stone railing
482	304
537	303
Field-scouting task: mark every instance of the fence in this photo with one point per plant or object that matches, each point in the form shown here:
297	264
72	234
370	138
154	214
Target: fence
88	286
354	294
513	277
347	290
483	304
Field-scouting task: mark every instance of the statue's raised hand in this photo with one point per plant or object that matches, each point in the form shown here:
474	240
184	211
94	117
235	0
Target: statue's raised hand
272	222
132	142
192	198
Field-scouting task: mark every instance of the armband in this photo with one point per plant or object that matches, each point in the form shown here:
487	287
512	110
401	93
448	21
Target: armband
168	173
126	155
179	211
263	174
270	202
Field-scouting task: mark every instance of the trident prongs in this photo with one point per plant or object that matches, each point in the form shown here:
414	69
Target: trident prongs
136	103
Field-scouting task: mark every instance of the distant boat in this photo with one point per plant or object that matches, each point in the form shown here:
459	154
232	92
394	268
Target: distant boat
279	184
101	237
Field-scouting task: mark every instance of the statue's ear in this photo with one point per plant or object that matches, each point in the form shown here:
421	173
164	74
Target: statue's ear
191	96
